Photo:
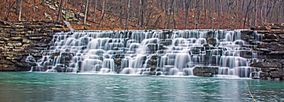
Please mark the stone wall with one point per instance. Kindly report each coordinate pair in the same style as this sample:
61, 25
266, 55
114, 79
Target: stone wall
19, 39
270, 52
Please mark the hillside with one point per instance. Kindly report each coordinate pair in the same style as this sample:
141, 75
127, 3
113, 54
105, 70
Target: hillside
147, 14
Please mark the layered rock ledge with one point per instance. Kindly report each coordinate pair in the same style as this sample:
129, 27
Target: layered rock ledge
270, 52
19, 39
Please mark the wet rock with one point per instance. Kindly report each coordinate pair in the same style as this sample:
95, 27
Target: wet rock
247, 35
60, 68
274, 46
117, 62
35, 38
158, 73
196, 50
26, 41
205, 71
53, 55
267, 64
152, 48
166, 34
152, 63
41, 45
272, 74
212, 41
270, 36
2, 42
30, 60
255, 75
275, 55
16, 38
264, 76
276, 74
281, 36
147, 73
65, 58
247, 54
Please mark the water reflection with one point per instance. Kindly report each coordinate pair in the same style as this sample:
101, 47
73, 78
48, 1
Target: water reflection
33, 87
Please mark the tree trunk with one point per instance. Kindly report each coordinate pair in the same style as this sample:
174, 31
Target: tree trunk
173, 13
141, 10
103, 12
185, 8
197, 12
221, 13
128, 11
19, 3
218, 13
86, 11
261, 12
255, 11
120, 13
34, 6
246, 14
59, 13
95, 10
166, 12
265, 11
211, 14
204, 11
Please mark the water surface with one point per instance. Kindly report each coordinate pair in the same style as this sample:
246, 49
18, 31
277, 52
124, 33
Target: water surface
67, 87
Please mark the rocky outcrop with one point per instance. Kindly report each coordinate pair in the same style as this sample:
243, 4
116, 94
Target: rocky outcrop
270, 51
21, 39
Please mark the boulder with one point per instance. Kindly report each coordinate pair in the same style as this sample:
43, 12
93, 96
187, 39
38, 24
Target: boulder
205, 71
212, 41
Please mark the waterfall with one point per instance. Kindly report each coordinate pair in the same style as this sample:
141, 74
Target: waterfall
155, 52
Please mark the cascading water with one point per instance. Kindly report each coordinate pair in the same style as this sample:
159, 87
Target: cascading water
147, 52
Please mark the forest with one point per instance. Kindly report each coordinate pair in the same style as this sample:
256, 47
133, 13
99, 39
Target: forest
147, 14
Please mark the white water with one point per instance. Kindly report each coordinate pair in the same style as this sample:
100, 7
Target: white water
143, 52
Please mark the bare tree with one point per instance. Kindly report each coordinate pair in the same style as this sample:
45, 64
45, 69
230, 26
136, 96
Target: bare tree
19, 10
220, 12
211, 13
167, 13
255, 12
86, 11
204, 10
121, 13
261, 11
173, 13
246, 14
95, 10
34, 6
197, 13
103, 11
186, 6
128, 11
141, 10
59, 13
